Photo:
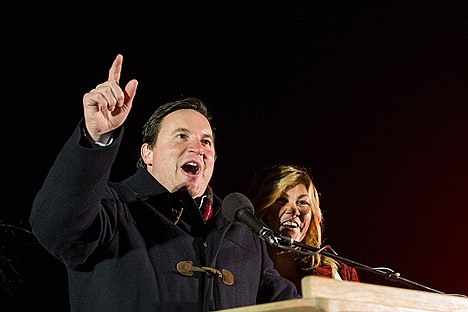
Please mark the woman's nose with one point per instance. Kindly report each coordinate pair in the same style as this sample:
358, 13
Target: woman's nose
294, 209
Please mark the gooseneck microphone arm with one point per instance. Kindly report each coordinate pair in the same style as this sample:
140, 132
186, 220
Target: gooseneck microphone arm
389, 274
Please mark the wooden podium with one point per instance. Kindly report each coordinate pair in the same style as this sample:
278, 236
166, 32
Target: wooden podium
328, 295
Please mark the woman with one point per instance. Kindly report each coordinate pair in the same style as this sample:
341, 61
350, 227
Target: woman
285, 198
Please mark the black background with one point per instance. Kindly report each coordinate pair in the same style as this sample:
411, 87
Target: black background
371, 97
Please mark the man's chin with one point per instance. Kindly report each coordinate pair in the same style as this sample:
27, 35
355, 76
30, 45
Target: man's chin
195, 191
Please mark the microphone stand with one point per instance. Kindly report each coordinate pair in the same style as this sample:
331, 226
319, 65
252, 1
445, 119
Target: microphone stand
389, 274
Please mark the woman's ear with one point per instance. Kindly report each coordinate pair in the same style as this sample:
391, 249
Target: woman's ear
147, 154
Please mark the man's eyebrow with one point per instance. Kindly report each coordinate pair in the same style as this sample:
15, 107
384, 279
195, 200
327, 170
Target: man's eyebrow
207, 135
180, 130
185, 130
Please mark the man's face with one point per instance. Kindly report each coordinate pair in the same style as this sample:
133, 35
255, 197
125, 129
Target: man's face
183, 155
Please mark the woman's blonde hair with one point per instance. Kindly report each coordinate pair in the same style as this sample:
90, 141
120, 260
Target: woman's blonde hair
270, 183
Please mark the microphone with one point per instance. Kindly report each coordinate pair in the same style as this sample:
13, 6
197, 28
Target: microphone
237, 207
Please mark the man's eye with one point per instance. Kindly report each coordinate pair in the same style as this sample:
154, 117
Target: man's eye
181, 136
206, 142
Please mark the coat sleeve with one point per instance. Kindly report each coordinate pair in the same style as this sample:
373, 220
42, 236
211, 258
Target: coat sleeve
74, 210
274, 287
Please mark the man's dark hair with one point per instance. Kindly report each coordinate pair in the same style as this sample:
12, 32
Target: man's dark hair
152, 127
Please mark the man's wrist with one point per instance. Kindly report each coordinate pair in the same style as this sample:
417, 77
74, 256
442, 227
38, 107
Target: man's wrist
108, 138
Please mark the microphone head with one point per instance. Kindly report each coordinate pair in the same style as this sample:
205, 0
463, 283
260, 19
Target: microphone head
234, 202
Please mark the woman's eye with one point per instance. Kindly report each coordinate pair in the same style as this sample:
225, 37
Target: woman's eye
304, 207
282, 201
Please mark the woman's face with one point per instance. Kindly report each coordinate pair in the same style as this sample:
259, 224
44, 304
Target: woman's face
291, 213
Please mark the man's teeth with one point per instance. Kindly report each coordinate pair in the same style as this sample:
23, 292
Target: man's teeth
191, 167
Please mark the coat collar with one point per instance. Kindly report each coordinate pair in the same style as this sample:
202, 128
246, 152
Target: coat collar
144, 184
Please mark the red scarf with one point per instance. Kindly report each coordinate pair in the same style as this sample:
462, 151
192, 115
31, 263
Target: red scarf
207, 204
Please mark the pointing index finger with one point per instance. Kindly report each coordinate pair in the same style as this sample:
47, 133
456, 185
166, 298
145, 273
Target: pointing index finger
116, 68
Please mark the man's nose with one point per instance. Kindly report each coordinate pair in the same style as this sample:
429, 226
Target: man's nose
197, 147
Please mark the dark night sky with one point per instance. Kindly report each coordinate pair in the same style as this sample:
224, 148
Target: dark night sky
371, 97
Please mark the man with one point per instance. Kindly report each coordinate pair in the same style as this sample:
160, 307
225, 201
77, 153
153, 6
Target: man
157, 241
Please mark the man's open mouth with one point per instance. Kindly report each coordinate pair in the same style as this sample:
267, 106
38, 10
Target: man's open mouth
191, 167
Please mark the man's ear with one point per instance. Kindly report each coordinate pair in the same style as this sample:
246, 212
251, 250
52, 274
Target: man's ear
147, 154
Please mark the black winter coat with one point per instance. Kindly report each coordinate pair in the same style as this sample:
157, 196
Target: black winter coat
121, 242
